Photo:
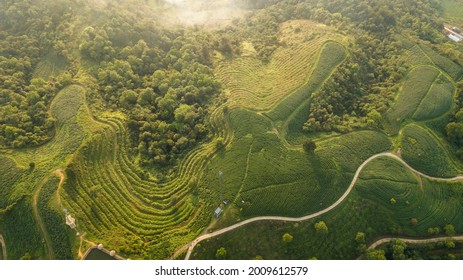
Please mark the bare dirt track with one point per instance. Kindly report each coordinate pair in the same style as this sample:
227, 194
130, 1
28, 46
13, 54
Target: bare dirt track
415, 241
38, 218
35, 197
2, 242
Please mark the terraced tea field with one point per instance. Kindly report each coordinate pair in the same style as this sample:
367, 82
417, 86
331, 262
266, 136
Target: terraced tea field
425, 153
289, 114
353, 181
257, 86
415, 89
409, 200
420, 204
50, 66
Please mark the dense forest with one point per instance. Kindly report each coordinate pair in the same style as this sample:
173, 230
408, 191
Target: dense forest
162, 78
159, 77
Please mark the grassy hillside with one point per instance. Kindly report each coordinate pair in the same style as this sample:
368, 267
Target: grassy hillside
420, 204
415, 88
50, 66
61, 236
287, 103
74, 125
256, 85
437, 101
425, 153
330, 56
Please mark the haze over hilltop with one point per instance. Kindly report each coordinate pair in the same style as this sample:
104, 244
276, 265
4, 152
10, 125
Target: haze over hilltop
203, 12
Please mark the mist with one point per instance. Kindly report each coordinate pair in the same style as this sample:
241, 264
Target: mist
203, 12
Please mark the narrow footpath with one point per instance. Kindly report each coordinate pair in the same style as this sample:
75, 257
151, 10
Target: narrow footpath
2, 242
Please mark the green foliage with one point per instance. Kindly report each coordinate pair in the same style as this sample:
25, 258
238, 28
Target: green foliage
321, 227
163, 86
437, 101
453, 69
449, 230
26, 256
294, 183
96, 44
398, 249
287, 238
366, 208
162, 81
376, 255
309, 146
360, 237
449, 244
415, 88
219, 143
20, 231
54, 220
11, 174
221, 253
433, 230
425, 153
331, 55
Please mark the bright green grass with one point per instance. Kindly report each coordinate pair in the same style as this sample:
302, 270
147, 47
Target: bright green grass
451, 68
292, 107
10, 174
414, 90
437, 102
74, 124
425, 153
50, 66
264, 177
416, 56
367, 209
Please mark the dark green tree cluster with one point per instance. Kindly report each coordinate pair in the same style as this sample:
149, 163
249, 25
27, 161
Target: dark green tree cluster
362, 87
24, 101
162, 81
25, 38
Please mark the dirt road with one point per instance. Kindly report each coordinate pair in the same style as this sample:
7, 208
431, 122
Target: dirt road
2, 242
192, 244
416, 241
38, 218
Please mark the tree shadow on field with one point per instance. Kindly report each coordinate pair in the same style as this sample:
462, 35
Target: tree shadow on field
318, 163
221, 152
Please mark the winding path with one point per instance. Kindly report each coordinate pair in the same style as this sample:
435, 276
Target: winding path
35, 197
2, 242
59, 172
415, 241
42, 227
193, 243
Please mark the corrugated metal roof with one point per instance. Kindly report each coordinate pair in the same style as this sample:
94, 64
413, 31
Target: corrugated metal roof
454, 38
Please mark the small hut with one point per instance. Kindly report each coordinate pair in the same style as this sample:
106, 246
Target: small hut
70, 221
218, 212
